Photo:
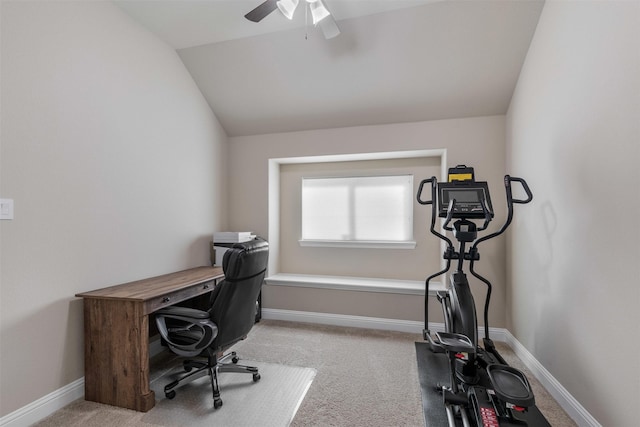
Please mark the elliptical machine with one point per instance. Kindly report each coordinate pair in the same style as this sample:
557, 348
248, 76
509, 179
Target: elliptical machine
483, 390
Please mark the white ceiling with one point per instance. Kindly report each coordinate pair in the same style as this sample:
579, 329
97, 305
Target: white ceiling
394, 61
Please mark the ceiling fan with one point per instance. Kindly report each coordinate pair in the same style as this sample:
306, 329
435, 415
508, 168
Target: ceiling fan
320, 15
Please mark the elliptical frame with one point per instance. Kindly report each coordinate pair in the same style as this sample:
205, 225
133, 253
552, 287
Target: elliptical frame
476, 372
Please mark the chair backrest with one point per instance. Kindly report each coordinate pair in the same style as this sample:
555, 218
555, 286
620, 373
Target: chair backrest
233, 308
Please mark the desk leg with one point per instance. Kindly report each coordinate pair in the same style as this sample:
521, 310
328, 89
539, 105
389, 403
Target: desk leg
116, 354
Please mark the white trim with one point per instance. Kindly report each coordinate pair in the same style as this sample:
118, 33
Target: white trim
381, 155
58, 399
345, 320
362, 284
359, 244
273, 196
45, 406
573, 408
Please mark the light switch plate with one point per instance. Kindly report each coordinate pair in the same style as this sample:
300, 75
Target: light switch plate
6, 208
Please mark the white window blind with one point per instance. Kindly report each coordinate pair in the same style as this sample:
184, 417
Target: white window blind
358, 209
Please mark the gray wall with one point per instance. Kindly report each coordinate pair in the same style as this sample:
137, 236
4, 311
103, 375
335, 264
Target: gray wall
476, 141
574, 128
115, 163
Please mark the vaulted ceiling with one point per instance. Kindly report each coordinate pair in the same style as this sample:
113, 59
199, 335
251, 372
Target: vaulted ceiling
395, 60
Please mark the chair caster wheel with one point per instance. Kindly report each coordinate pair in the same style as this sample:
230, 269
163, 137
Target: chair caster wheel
187, 366
217, 403
235, 359
170, 394
256, 377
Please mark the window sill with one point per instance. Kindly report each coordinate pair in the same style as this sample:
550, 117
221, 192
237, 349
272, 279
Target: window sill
368, 244
361, 284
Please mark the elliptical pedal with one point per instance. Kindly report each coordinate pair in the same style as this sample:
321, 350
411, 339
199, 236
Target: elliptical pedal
511, 386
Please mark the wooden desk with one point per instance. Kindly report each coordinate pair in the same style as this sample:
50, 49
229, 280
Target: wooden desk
116, 333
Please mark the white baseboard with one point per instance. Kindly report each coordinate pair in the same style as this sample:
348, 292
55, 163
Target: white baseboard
410, 326
575, 410
58, 399
45, 406
571, 406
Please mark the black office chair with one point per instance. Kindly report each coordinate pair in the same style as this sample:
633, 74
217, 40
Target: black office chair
189, 332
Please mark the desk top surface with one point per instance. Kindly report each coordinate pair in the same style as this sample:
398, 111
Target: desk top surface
142, 290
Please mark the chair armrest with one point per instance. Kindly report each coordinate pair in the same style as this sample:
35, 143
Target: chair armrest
193, 333
183, 312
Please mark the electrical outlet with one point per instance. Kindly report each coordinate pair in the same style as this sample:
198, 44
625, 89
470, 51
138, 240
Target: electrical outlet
6, 208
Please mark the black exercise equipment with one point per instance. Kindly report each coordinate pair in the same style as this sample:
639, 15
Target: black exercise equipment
482, 389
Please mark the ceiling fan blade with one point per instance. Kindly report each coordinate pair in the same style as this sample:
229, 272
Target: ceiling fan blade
260, 12
329, 27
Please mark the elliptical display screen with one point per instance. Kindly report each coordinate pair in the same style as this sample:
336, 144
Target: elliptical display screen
468, 198
465, 196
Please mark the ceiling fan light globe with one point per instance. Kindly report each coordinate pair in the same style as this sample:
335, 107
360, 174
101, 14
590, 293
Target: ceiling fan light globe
329, 28
287, 7
318, 11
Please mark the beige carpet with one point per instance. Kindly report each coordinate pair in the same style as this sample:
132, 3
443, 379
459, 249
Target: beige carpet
364, 378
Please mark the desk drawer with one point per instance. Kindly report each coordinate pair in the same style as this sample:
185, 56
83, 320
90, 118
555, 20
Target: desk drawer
178, 296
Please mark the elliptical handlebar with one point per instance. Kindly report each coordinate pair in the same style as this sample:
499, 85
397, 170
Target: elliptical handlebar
507, 184
508, 180
433, 182
510, 201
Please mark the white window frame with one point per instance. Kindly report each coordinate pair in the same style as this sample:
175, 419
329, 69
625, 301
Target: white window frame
273, 193
353, 184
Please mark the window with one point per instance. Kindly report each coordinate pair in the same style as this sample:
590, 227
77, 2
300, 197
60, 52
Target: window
363, 211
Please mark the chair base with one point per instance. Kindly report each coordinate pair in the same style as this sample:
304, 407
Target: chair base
212, 367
